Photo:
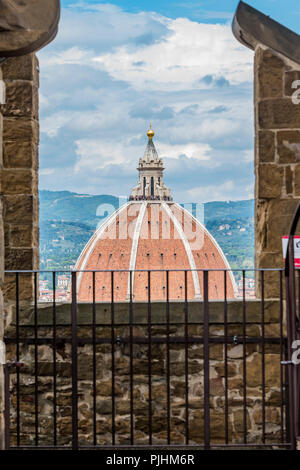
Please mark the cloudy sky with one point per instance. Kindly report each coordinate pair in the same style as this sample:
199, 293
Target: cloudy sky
116, 66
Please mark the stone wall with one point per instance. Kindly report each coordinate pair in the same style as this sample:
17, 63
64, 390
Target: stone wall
1, 292
277, 156
19, 135
140, 380
20, 170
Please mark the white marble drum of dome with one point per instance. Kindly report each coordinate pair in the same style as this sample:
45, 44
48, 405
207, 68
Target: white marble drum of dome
151, 232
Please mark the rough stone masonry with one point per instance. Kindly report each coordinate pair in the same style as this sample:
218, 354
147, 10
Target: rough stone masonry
277, 154
99, 399
277, 132
19, 135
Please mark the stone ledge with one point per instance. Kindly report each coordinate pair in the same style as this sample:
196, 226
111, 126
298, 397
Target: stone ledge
158, 312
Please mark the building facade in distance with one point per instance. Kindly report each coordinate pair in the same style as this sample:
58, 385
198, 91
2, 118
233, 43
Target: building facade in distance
151, 232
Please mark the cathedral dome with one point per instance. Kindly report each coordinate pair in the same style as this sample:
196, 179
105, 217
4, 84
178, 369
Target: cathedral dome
151, 232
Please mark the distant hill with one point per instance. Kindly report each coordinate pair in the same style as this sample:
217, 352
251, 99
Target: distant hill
67, 221
73, 207
228, 210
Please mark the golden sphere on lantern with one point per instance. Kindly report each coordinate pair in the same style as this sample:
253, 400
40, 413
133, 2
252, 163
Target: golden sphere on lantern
150, 133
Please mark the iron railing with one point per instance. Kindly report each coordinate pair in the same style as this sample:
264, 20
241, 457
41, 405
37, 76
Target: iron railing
177, 374
292, 283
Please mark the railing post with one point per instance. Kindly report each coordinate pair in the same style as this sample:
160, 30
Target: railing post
206, 361
74, 320
7, 406
6, 371
2, 395
292, 333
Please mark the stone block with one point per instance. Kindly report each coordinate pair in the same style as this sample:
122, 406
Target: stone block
288, 146
270, 70
278, 219
278, 113
269, 260
104, 388
297, 181
261, 211
2, 243
21, 100
266, 146
270, 181
272, 284
20, 129
220, 369
289, 180
26, 288
1, 140
23, 236
20, 258
282, 207
238, 420
19, 181
278, 226
21, 209
21, 68
289, 78
2, 434
254, 370
20, 154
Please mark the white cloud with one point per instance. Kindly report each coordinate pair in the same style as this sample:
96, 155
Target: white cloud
196, 151
96, 154
47, 171
184, 76
190, 52
229, 190
248, 155
213, 192
73, 55
52, 123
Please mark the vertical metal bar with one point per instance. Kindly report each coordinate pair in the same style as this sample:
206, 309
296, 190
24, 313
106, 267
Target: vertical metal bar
206, 361
291, 333
281, 359
263, 385
113, 400
7, 405
244, 361
186, 368
36, 364
131, 361
54, 361
18, 357
74, 319
149, 358
288, 434
168, 360
226, 356
298, 275
94, 362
